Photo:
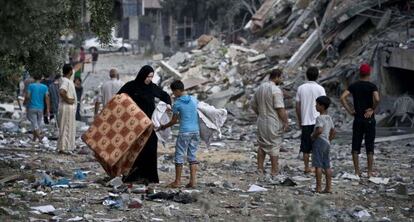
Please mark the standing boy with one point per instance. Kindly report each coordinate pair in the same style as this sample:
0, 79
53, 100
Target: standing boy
306, 112
322, 136
184, 109
366, 99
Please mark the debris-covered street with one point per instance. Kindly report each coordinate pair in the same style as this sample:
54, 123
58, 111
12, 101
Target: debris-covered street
40, 183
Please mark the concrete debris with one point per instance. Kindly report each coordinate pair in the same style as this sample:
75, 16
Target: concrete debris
291, 35
203, 40
256, 58
157, 57
170, 70
46, 209
362, 214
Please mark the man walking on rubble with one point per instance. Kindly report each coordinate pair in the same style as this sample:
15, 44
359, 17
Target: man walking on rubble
37, 99
306, 112
272, 119
366, 99
109, 89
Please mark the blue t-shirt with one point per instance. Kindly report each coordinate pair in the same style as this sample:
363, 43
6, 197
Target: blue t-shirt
37, 92
186, 108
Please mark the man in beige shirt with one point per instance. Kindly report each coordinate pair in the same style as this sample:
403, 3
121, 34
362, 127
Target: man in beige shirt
272, 120
108, 89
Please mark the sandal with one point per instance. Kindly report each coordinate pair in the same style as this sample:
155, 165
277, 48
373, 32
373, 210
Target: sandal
326, 192
173, 185
190, 186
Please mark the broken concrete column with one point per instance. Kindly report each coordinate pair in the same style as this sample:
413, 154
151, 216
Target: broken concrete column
305, 19
170, 70
306, 50
268, 11
256, 58
349, 29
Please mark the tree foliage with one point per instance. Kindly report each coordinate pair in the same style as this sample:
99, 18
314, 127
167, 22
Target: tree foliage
30, 31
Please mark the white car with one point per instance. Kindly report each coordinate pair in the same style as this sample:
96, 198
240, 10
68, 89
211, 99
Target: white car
115, 45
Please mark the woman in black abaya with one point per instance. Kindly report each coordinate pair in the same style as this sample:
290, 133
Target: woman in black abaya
143, 92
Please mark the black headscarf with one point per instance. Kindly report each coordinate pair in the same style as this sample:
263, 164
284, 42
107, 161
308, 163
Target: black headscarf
143, 74
143, 94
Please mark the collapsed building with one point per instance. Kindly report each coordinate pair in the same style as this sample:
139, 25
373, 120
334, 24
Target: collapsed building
336, 36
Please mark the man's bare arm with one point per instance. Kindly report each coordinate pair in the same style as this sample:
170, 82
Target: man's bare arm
376, 99
316, 133
97, 105
64, 96
26, 98
298, 113
332, 134
344, 101
47, 98
281, 112
253, 105
173, 121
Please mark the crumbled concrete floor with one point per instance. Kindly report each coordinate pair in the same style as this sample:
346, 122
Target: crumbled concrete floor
225, 173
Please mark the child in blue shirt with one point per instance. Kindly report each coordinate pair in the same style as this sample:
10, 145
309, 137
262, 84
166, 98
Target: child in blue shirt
184, 110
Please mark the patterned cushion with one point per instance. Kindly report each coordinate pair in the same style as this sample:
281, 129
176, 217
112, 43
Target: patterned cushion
118, 134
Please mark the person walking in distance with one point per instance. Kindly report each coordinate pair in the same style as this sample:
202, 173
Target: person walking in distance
54, 97
94, 55
37, 99
108, 89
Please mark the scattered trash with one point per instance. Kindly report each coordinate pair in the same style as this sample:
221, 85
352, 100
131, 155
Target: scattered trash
46, 209
379, 180
362, 214
178, 197
349, 176
9, 127
288, 182
79, 175
115, 182
135, 203
8, 211
255, 188
77, 218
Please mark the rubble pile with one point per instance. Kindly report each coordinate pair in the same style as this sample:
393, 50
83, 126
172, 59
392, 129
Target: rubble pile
37, 184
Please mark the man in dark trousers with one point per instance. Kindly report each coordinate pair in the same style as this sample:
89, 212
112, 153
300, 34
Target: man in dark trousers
366, 99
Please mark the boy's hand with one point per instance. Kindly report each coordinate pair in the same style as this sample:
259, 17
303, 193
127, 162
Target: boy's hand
162, 127
285, 127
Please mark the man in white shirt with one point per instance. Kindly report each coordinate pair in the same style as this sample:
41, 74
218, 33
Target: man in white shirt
109, 89
306, 111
